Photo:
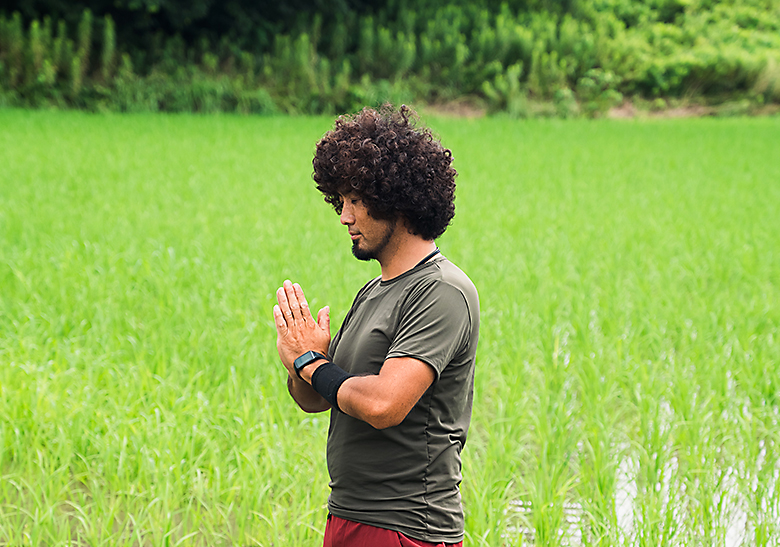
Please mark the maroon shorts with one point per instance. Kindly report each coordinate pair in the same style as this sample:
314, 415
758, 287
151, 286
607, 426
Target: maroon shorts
345, 533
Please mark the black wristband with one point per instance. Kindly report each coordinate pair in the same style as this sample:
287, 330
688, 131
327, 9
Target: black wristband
327, 379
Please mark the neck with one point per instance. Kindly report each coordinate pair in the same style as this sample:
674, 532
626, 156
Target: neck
403, 253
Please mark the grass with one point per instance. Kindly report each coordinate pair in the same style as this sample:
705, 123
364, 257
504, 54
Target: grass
627, 385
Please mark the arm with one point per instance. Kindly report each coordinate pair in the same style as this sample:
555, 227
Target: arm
303, 394
382, 400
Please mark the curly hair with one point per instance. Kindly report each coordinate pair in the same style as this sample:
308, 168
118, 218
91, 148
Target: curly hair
397, 169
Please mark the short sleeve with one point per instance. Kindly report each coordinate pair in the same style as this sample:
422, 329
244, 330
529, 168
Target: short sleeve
434, 325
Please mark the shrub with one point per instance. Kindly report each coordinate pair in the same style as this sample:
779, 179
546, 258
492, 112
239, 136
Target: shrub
768, 82
506, 94
571, 56
597, 91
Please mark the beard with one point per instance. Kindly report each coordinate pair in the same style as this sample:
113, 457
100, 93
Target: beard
373, 252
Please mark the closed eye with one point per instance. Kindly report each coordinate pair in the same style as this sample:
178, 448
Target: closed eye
352, 200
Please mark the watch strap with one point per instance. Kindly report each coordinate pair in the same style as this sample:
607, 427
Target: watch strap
306, 359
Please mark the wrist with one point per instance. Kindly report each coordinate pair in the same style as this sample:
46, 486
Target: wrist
307, 372
305, 361
327, 379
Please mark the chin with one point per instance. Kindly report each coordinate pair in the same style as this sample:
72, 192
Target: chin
362, 254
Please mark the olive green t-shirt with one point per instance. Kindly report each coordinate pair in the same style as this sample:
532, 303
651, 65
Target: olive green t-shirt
406, 478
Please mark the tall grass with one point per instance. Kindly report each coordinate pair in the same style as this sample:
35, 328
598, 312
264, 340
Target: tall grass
627, 380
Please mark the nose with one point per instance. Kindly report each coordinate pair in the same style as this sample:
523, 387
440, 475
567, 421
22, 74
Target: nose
347, 216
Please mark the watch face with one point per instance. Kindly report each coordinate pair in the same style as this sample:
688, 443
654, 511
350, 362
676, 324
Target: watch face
302, 361
305, 359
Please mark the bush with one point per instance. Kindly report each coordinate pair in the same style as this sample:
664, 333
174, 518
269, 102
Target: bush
565, 103
505, 94
597, 91
574, 56
767, 84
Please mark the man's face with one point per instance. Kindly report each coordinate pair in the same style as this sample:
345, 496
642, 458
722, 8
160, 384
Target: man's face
370, 235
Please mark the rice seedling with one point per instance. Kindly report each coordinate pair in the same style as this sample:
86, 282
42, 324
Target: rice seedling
627, 384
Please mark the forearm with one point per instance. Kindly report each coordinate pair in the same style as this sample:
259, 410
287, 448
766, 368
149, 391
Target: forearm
303, 394
364, 398
361, 397
381, 400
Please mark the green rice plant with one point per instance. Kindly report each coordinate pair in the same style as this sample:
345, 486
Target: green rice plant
627, 379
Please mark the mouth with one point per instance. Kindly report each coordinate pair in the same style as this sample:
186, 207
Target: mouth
354, 236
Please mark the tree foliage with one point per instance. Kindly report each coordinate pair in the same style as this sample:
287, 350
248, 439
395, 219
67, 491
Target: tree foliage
579, 56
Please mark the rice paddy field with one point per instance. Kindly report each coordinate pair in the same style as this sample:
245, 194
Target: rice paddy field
627, 389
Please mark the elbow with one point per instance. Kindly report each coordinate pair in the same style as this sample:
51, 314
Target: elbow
313, 409
382, 423
382, 416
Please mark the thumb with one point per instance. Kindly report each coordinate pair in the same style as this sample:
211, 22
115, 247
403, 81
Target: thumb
323, 319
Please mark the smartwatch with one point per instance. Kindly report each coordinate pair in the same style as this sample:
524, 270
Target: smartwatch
306, 359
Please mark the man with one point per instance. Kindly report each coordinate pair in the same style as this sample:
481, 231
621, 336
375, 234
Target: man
399, 373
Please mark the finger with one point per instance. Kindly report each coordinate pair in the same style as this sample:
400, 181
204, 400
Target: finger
284, 305
281, 324
323, 319
305, 311
292, 299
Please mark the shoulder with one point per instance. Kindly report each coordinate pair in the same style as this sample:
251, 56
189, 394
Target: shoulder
368, 286
453, 276
448, 276
448, 284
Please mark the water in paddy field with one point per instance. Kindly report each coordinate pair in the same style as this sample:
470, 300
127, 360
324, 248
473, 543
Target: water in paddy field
736, 531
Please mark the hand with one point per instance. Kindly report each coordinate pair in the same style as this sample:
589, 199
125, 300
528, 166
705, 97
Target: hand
296, 330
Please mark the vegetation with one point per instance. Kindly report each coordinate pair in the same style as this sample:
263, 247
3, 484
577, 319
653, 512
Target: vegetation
627, 383
525, 58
